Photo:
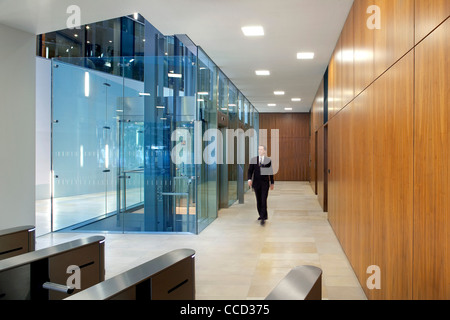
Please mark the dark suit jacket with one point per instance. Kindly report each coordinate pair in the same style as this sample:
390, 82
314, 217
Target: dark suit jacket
260, 173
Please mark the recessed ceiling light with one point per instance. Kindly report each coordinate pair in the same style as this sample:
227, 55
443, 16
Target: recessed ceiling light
204, 93
174, 75
253, 31
272, 105
288, 109
296, 99
305, 55
160, 107
262, 72
278, 93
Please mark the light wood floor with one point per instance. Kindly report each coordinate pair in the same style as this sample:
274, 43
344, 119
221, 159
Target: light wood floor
236, 257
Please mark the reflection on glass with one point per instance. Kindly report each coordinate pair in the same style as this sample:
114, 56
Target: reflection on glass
232, 144
207, 110
112, 122
83, 144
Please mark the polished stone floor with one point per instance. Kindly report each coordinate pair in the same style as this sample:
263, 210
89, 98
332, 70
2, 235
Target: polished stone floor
239, 259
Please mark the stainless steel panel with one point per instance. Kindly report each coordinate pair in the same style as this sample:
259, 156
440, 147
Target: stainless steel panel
114, 287
301, 283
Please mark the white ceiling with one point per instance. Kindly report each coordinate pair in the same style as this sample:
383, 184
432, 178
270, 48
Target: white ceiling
215, 25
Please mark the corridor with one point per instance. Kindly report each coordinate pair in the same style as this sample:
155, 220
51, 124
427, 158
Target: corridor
236, 257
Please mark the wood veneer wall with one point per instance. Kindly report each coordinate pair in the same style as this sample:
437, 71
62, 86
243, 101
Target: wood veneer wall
388, 146
431, 165
294, 137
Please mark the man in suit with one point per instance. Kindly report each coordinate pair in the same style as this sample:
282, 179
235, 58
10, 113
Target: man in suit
260, 178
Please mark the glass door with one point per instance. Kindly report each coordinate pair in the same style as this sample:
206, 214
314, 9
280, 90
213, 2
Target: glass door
83, 144
130, 178
177, 117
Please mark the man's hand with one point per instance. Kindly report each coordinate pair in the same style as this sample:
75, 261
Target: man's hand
271, 186
250, 183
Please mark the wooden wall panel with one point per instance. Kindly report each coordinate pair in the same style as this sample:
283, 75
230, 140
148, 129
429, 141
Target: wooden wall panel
293, 144
337, 79
321, 184
317, 121
312, 162
345, 186
360, 160
317, 111
388, 149
333, 179
338, 187
346, 61
396, 36
266, 123
363, 46
393, 179
300, 125
331, 87
428, 15
285, 123
431, 167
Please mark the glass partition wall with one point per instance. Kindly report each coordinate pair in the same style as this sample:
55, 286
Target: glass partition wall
232, 144
112, 146
207, 85
135, 145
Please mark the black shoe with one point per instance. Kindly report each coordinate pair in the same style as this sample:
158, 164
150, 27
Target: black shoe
263, 222
259, 218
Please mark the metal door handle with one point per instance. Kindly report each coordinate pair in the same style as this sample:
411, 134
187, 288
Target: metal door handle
58, 287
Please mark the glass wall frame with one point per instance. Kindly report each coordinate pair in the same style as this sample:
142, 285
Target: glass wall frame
207, 105
113, 138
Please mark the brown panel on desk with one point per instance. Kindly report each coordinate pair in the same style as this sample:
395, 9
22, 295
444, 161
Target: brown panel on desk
14, 244
87, 258
431, 167
175, 282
